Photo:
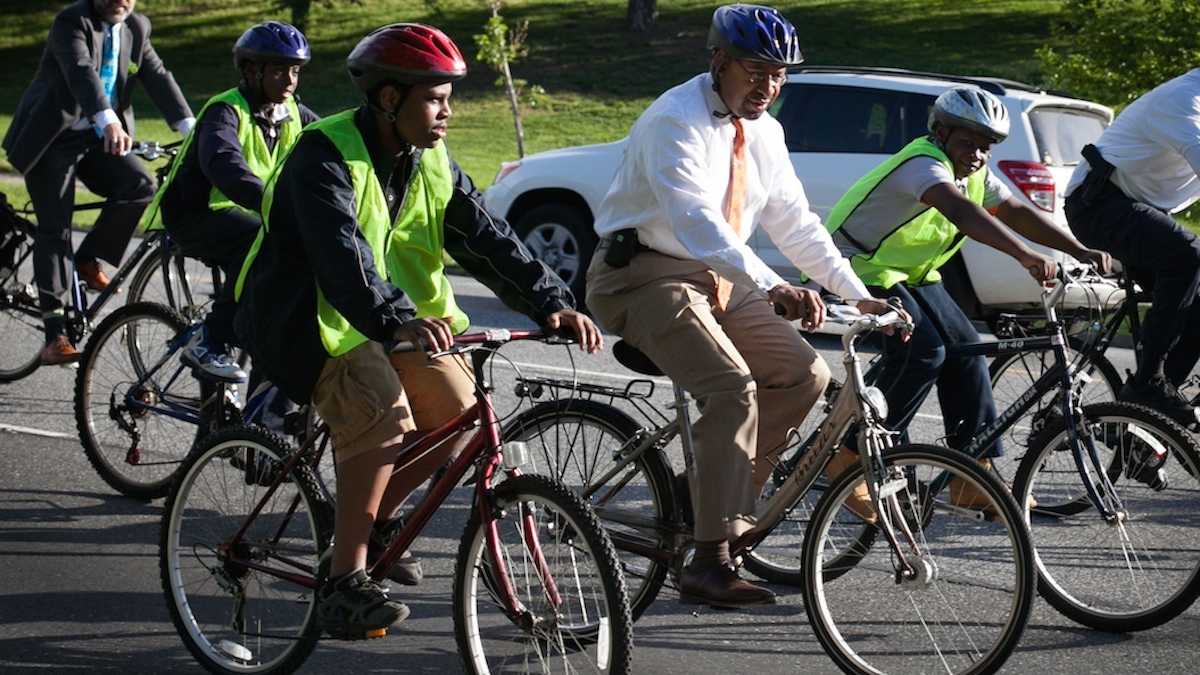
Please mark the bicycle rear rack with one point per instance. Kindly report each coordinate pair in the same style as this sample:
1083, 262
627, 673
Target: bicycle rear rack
637, 393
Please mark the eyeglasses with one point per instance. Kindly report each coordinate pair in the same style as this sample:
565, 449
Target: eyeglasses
757, 77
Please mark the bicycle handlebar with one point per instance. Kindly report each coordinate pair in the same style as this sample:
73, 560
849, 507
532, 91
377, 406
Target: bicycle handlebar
494, 336
152, 150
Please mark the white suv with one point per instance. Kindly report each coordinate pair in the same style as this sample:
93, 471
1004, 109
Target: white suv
839, 122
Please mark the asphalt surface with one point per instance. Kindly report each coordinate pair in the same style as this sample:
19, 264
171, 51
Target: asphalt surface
80, 591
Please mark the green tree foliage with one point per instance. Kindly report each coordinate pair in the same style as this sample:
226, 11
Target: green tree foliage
1116, 50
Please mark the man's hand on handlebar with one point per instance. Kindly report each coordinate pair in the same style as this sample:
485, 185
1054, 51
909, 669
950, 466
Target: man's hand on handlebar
433, 335
798, 303
116, 141
881, 307
579, 326
1100, 260
1043, 269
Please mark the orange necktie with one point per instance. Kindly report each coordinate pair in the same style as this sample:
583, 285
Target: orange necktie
735, 198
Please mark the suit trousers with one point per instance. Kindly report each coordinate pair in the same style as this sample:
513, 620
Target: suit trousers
752, 374
51, 184
1163, 258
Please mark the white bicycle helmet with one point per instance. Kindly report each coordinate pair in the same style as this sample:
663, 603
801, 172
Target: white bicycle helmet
971, 108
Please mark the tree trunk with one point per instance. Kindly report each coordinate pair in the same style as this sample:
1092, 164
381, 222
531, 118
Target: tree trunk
516, 109
640, 15
300, 9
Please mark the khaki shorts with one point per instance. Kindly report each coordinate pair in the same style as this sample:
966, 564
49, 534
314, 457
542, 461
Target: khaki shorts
370, 400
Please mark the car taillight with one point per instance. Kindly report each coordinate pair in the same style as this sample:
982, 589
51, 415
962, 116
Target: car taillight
1034, 179
505, 169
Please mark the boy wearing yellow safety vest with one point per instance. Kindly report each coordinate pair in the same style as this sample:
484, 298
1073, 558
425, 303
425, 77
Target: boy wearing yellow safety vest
349, 258
211, 200
908, 217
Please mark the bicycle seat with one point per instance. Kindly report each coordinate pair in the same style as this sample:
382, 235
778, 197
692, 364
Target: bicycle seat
632, 358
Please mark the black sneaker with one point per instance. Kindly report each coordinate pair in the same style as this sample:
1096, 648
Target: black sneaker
356, 608
1159, 394
407, 570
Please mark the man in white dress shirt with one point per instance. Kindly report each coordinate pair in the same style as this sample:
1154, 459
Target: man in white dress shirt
675, 278
1143, 169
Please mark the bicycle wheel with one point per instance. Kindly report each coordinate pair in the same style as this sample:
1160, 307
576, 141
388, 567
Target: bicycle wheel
590, 630
576, 442
965, 609
130, 421
183, 284
1144, 570
777, 557
20, 316
234, 618
1014, 374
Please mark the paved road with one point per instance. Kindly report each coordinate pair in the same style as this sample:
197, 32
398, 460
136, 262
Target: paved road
79, 587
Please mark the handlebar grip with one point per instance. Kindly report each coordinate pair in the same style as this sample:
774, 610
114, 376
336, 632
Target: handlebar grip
780, 310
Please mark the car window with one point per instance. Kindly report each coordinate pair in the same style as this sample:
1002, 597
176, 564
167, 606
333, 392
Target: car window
1061, 133
831, 118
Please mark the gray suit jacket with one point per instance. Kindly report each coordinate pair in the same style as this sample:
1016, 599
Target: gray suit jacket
67, 83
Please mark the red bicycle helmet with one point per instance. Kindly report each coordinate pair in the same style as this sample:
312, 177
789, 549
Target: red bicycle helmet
405, 53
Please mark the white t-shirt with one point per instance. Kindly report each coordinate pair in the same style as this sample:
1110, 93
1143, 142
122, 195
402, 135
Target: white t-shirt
672, 183
1155, 146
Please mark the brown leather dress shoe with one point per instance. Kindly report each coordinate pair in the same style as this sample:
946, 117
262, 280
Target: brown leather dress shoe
58, 352
92, 274
720, 587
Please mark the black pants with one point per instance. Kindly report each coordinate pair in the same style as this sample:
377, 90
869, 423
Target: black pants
220, 238
1160, 255
51, 185
908, 370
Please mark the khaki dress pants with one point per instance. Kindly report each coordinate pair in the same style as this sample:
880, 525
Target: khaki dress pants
752, 373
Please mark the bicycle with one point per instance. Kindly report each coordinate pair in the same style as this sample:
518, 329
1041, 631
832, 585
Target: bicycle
135, 400
621, 469
536, 583
156, 257
1092, 331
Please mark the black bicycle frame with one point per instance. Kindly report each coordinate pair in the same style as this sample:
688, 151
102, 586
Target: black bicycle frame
1058, 377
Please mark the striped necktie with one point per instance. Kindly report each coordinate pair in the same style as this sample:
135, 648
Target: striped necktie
735, 200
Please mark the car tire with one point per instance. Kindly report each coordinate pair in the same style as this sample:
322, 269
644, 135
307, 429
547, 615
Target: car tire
561, 236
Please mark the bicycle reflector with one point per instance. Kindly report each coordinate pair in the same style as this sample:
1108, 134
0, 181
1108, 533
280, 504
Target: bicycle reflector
1032, 178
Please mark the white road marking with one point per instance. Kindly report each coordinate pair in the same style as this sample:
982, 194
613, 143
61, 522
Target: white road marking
15, 429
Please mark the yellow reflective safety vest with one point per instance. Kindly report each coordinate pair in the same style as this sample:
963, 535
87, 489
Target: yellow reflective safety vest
888, 253
408, 251
258, 157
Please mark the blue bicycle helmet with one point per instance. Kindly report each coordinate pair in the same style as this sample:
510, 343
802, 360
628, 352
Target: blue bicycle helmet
272, 42
755, 32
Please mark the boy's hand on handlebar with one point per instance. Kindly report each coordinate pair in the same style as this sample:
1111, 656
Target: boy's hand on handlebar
579, 326
1043, 269
799, 303
880, 307
116, 141
1101, 260
433, 335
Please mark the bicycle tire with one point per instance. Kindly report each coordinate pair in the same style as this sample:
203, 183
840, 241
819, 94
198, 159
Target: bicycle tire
599, 632
1076, 576
301, 527
107, 373
644, 576
172, 287
20, 318
881, 638
1024, 368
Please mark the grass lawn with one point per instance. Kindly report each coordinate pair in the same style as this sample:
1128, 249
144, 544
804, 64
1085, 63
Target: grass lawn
597, 75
